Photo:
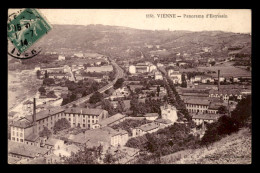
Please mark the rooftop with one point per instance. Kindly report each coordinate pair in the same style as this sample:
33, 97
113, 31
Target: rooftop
31, 137
88, 111
52, 141
197, 101
225, 91
207, 116
151, 115
111, 119
45, 113
148, 127
21, 122
164, 121
25, 150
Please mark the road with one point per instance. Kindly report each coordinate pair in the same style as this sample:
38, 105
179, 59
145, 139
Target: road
119, 74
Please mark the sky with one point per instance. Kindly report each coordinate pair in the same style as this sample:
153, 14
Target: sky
238, 20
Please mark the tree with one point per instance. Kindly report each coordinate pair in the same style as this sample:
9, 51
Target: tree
42, 90
109, 159
158, 90
48, 81
242, 112
85, 156
212, 63
61, 124
51, 94
45, 132
183, 83
119, 83
96, 97
222, 110
46, 75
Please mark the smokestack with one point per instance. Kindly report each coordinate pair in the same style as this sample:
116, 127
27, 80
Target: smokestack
218, 79
34, 115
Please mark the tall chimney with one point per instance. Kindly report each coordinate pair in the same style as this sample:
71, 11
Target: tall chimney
34, 116
218, 79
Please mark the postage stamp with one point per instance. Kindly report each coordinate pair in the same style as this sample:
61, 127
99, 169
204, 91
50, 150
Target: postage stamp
25, 29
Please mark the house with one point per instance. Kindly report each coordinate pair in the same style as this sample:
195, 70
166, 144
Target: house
202, 118
163, 122
24, 151
105, 136
151, 116
225, 94
54, 144
145, 128
84, 117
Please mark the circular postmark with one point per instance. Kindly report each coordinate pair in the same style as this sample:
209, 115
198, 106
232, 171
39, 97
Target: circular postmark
24, 28
29, 53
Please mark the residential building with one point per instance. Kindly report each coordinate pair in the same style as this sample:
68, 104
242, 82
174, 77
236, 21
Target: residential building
163, 122
208, 118
225, 94
24, 151
145, 128
105, 136
110, 121
84, 117
197, 105
151, 116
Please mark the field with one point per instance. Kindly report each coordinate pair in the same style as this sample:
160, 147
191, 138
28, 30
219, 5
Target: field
227, 70
233, 149
21, 86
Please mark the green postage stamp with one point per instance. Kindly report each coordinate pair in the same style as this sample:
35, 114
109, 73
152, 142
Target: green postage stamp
26, 28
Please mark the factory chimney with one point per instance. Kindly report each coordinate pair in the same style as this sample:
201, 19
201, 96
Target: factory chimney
34, 116
218, 79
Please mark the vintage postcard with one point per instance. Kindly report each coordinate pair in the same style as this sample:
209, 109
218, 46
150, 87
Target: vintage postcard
129, 86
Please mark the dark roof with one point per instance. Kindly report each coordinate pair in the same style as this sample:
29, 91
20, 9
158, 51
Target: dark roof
95, 136
151, 115
164, 121
207, 116
197, 101
148, 127
31, 137
88, 111
25, 150
46, 113
21, 123
52, 141
111, 119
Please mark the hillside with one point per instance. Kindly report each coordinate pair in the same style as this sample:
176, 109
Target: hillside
233, 149
114, 39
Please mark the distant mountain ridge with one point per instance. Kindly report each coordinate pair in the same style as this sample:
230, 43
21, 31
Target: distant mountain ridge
94, 37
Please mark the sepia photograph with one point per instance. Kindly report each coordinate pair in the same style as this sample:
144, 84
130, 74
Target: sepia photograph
129, 86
